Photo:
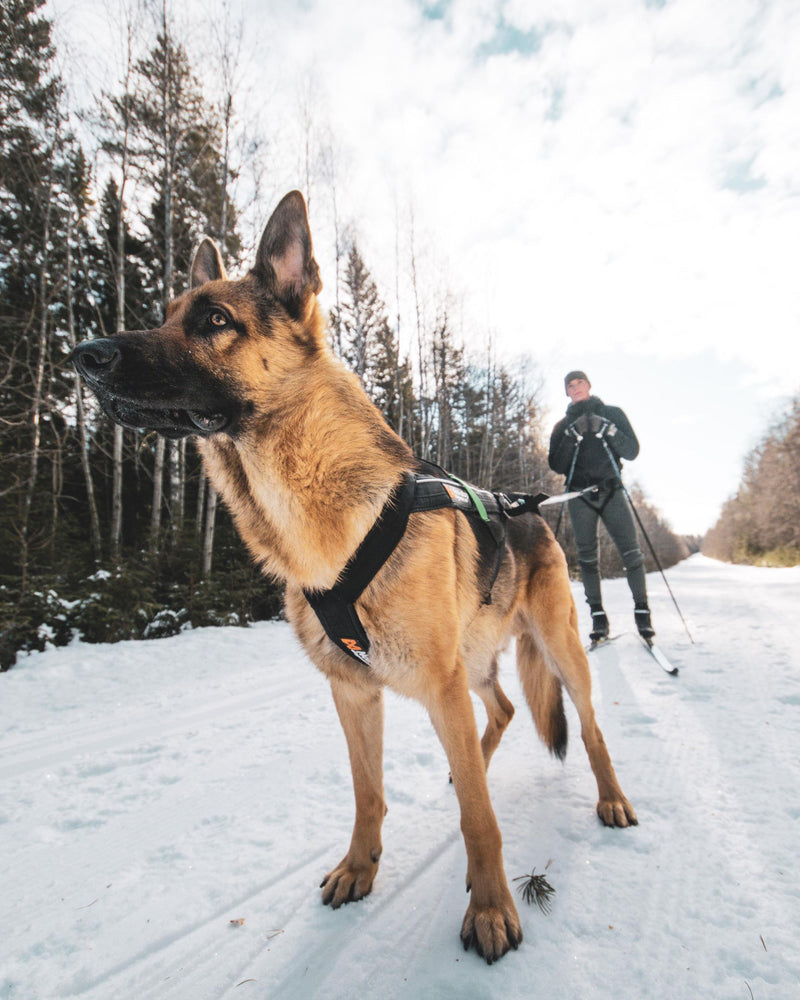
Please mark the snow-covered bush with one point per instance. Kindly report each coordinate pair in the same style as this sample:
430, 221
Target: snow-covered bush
165, 623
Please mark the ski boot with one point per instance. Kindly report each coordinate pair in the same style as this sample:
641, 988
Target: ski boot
599, 624
641, 615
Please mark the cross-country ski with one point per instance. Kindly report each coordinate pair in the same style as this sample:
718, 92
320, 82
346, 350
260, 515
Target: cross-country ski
656, 653
658, 656
600, 643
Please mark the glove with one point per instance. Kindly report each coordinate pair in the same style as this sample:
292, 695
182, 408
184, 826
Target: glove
607, 430
601, 427
579, 427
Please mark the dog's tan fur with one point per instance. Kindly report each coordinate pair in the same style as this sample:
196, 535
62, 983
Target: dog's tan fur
305, 472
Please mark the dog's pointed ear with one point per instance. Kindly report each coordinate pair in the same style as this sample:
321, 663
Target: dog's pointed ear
207, 264
285, 259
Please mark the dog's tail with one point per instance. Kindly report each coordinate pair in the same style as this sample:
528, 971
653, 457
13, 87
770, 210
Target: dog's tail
543, 691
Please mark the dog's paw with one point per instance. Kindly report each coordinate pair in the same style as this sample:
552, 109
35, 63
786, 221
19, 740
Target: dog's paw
617, 813
491, 930
347, 883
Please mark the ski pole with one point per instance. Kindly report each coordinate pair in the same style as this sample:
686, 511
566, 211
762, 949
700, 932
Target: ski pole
578, 440
616, 468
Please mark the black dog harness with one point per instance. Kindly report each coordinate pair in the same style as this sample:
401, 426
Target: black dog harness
431, 488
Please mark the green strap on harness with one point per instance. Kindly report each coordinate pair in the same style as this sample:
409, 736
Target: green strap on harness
476, 500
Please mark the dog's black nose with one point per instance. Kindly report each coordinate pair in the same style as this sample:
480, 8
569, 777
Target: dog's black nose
96, 358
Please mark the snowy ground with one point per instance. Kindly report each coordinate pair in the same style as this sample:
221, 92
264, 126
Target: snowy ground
153, 792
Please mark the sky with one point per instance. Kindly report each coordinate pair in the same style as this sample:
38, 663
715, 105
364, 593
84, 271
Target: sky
610, 185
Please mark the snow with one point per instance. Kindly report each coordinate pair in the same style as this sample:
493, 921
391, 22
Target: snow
154, 792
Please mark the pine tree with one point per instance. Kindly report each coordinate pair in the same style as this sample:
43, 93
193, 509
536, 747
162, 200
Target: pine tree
181, 137
390, 380
361, 331
448, 376
43, 199
361, 317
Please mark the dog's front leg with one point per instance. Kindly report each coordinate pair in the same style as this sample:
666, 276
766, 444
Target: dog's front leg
360, 709
491, 922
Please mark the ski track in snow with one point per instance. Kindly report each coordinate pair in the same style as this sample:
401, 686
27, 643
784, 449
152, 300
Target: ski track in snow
152, 792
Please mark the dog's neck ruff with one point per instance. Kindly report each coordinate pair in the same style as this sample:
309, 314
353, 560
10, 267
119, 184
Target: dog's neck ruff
427, 490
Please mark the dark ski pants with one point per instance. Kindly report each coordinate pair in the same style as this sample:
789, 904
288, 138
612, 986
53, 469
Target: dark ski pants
615, 511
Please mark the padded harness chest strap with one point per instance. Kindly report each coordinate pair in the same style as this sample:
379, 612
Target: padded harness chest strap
335, 608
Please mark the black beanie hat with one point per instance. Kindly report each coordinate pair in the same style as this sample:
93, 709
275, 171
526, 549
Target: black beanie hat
571, 375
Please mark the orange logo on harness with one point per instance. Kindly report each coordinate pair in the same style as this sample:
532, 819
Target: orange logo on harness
352, 645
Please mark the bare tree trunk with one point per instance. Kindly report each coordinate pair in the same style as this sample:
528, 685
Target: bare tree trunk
223, 215
94, 520
181, 491
305, 103
423, 368
337, 247
401, 400
199, 519
38, 381
168, 144
80, 413
176, 460
208, 539
487, 447
119, 439
169, 140
440, 363
116, 494
158, 494
56, 488
229, 60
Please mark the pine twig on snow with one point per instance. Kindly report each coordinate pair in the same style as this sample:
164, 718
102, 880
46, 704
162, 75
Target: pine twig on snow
536, 889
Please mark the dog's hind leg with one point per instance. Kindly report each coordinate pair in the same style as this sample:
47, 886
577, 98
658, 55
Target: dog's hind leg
499, 712
491, 923
360, 708
556, 632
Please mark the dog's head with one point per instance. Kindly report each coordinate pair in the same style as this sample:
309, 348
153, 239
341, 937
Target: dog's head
223, 344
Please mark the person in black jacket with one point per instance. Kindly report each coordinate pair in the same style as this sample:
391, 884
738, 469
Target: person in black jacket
578, 451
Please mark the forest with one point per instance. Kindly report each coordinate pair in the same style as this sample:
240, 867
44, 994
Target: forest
760, 524
108, 533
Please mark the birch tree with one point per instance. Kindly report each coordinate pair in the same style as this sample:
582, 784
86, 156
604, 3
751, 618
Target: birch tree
116, 121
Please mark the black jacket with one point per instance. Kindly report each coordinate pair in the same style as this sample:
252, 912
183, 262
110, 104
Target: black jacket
593, 465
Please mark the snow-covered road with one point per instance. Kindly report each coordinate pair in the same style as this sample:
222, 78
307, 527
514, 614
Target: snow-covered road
153, 792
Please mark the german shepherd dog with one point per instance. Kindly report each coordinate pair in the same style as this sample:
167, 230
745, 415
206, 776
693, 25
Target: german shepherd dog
305, 463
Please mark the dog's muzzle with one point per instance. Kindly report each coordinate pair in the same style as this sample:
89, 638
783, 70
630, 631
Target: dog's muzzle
107, 373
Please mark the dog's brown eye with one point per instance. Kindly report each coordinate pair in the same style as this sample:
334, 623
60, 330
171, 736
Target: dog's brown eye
218, 319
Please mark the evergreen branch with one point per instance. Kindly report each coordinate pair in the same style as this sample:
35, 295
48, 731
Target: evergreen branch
536, 889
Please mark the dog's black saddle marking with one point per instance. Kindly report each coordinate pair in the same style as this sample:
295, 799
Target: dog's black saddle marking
430, 488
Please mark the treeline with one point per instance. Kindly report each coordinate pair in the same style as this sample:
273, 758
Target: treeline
472, 415
78, 495
761, 523
106, 533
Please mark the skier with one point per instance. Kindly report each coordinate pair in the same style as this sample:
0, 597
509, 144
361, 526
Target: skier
578, 451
